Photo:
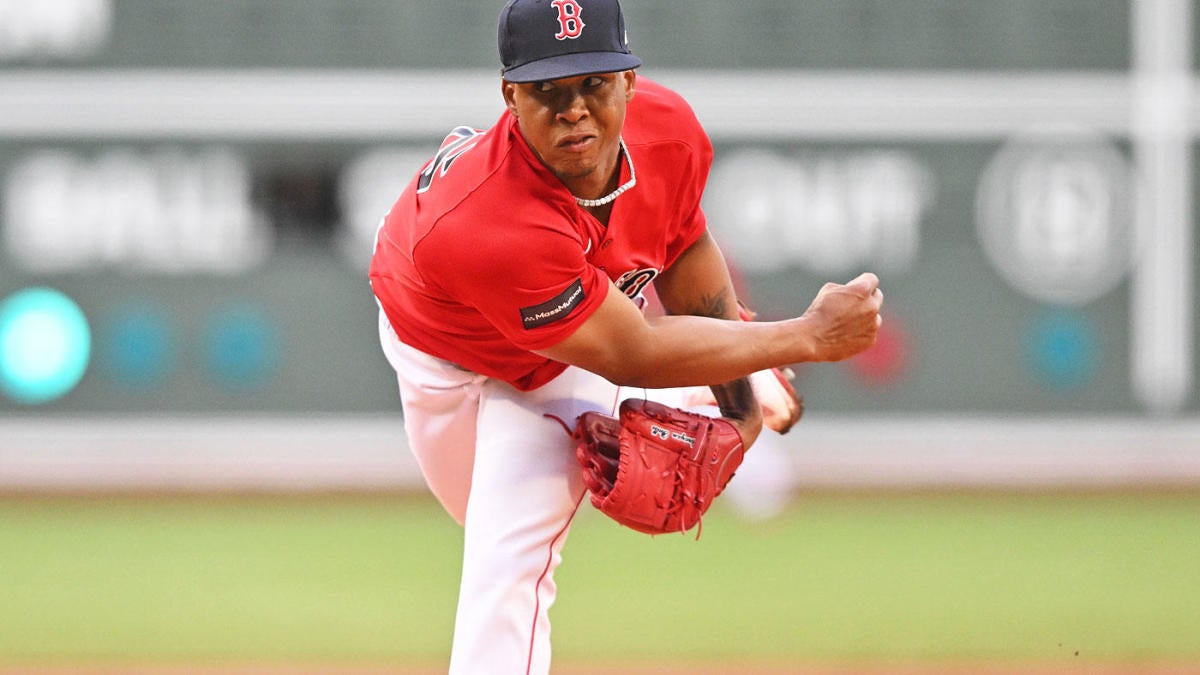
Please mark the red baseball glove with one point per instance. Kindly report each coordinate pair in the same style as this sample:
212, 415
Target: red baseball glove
656, 469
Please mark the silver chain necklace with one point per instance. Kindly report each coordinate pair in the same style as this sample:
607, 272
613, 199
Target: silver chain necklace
608, 198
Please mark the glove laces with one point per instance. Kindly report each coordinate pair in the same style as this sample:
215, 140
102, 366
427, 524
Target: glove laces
675, 507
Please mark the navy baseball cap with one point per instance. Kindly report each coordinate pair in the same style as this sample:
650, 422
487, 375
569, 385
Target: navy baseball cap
550, 39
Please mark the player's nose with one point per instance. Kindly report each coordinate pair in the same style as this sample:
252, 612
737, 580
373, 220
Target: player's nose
574, 107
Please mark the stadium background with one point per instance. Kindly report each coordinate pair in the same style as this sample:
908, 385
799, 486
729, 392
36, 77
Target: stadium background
188, 193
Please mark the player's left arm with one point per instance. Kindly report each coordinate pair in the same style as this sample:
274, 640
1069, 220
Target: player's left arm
698, 283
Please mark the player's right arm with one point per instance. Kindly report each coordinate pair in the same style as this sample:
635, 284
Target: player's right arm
622, 345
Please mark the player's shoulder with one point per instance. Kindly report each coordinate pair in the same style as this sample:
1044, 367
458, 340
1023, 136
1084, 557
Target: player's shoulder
489, 176
658, 113
470, 170
652, 91
466, 158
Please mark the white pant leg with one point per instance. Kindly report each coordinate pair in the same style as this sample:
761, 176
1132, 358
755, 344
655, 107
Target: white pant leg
441, 404
525, 490
508, 473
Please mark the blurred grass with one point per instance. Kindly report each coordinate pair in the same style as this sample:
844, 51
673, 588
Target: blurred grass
840, 577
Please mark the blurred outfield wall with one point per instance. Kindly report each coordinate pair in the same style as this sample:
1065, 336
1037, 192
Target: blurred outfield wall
188, 193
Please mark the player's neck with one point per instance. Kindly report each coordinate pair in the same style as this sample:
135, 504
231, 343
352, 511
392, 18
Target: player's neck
601, 207
599, 200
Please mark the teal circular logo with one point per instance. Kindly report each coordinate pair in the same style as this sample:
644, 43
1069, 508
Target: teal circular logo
241, 347
137, 347
1062, 349
45, 345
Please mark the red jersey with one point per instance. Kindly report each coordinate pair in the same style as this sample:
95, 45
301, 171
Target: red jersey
486, 255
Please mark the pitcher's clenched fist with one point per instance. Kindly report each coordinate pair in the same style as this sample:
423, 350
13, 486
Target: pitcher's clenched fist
843, 320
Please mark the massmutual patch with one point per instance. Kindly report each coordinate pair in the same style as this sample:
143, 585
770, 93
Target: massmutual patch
555, 308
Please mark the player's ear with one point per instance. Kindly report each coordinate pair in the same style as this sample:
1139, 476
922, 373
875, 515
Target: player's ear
508, 90
630, 78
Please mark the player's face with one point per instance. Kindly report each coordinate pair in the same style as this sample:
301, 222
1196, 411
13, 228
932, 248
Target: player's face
574, 125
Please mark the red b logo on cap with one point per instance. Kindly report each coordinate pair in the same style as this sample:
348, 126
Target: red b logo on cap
569, 24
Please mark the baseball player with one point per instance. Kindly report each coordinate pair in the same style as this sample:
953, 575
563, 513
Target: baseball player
510, 276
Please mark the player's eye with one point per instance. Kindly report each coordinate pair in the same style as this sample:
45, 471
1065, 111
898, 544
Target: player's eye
593, 82
542, 87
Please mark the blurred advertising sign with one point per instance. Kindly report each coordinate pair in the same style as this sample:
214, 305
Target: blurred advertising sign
1003, 263
828, 213
1055, 215
54, 31
231, 276
158, 210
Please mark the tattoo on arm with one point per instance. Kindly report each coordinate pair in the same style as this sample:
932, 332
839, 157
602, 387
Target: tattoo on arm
736, 398
715, 306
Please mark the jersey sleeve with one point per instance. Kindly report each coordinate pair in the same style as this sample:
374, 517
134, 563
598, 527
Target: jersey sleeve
531, 282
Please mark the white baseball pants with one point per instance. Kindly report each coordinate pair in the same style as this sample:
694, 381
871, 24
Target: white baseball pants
507, 473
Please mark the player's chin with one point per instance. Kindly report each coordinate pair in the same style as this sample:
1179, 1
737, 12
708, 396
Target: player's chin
574, 167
